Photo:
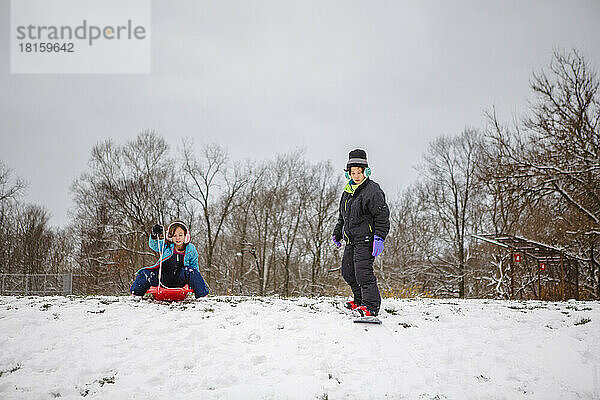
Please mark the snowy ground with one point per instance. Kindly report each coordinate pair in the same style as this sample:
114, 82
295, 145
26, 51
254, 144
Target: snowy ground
271, 348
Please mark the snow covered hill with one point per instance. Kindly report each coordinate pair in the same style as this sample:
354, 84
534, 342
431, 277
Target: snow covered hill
272, 348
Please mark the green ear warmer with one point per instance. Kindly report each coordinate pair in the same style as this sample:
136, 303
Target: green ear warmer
367, 173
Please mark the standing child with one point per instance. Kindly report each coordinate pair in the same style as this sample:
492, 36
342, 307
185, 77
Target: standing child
363, 222
179, 263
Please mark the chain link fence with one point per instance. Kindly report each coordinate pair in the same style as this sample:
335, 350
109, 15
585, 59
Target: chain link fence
36, 284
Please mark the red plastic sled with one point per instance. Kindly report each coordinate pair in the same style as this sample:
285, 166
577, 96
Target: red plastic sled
169, 294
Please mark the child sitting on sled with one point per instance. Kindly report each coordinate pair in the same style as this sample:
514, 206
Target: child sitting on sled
178, 265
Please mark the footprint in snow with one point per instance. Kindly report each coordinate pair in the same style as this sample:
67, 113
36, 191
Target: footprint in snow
252, 338
258, 359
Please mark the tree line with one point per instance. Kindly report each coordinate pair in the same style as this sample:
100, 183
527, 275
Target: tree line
262, 228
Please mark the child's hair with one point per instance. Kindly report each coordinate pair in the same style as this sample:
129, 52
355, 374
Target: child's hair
178, 224
357, 166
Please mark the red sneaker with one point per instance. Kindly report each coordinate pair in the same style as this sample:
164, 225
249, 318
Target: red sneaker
365, 312
350, 305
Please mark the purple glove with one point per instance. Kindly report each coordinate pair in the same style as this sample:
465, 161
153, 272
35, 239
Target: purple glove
338, 244
377, 246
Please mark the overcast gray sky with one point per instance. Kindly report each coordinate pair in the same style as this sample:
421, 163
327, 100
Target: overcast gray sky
265, 77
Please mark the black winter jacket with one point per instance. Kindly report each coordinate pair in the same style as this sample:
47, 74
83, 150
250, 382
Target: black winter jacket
363, 213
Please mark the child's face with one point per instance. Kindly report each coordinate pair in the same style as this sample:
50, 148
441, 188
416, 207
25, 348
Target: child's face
356, 173
178, 236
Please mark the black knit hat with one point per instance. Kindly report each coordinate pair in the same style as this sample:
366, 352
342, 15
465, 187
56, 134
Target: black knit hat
357, 158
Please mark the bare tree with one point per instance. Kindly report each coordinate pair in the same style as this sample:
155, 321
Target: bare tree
450, 190
294, 197
558, 148
267, 220
321, 210
33, 239
11, 190
241, 231
214, 185
412, 245
555, 150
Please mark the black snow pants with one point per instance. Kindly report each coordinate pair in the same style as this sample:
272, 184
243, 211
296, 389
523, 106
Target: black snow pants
357, 270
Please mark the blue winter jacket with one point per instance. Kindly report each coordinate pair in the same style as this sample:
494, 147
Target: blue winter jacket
189, 260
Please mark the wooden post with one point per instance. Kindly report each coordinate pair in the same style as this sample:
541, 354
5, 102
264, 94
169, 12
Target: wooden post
512, 273
593, 269
576, 279
539, 282
232, 275
562, 276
